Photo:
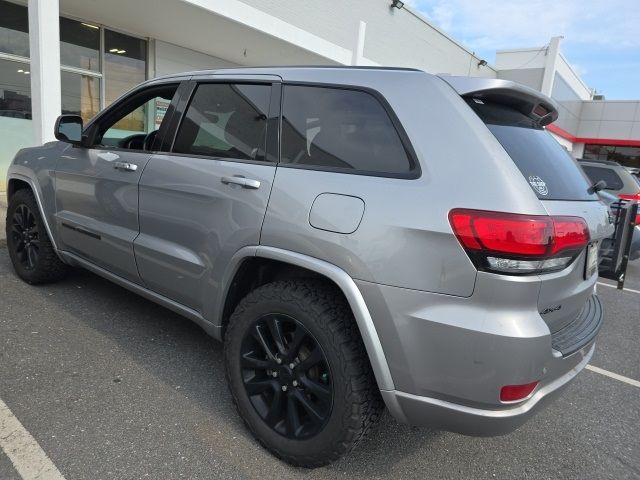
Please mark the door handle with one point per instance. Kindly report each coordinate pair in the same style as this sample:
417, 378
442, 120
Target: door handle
242, 181
126, 166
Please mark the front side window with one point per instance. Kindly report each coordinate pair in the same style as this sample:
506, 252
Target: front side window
336, 128
133, 124
226, 121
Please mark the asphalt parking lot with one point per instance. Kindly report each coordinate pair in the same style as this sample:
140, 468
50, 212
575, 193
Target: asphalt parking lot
111, 386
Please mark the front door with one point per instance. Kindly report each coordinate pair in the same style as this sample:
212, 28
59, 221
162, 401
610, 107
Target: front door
97, 187
206, 199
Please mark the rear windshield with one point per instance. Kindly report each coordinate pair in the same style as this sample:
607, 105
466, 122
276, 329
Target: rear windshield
613, 180
618, 179
548, 168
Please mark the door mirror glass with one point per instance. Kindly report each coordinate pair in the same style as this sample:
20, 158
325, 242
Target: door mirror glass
69, 129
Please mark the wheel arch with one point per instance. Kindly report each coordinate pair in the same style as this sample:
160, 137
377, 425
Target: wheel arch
18, 181
302, 266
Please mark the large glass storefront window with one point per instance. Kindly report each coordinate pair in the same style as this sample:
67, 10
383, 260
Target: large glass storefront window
94, 72
125, 66
14, 29
627, 156
79, 44
15, 90
15, 84
80, 95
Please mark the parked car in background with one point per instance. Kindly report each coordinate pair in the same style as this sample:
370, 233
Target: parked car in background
621, 185
304, 216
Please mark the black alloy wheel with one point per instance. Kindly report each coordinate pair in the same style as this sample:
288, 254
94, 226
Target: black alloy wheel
286, 376
25, 237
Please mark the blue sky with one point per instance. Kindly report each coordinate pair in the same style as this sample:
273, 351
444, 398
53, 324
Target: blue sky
601, 38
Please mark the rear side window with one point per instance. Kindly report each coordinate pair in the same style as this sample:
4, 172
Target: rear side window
595, 174
226, 121
332, 128
551, 172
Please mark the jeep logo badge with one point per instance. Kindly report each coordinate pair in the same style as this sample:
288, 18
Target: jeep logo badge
538, 185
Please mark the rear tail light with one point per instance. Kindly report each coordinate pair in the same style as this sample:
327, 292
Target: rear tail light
625, 196
519, 244
638, 219
515, 393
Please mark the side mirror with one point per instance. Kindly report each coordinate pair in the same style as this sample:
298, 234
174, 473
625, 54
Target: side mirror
68, 129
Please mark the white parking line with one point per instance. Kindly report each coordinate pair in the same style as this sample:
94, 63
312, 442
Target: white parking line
615, 376
614, 286
25, 454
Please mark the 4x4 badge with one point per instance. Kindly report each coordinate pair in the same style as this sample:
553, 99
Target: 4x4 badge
538, 184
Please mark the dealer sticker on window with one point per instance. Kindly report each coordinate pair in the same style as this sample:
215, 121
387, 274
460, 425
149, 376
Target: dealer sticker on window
592, 260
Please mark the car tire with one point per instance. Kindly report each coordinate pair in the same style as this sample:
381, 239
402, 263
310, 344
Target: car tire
32, 254
289, 310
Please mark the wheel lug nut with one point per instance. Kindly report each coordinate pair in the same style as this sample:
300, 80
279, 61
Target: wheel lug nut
294, 383
284, 388
275, 374
292, 365
278, 361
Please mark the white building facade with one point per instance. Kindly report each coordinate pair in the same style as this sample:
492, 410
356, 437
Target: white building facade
78, 56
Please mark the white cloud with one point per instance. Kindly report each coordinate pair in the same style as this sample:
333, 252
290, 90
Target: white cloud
496, 24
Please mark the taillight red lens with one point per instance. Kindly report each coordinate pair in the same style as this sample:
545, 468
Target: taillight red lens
530, 236
638, 219
633, 197
569, 233
513, 393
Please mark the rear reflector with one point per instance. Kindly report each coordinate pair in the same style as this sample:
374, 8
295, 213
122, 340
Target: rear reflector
514, 393
514, 243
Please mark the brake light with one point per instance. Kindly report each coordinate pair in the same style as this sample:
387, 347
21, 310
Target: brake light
514, 393
638, 219
515, 243
632, 197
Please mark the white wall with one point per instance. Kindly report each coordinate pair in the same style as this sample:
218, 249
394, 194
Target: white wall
402, 38
566, 71
171, 58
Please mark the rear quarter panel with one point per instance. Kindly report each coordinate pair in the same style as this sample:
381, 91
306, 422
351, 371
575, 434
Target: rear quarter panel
404, 238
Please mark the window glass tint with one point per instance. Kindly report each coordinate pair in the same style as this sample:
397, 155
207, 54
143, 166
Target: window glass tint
552, 173
338, 128
14, 29
226, 121
79, 44
137, 118
595, 174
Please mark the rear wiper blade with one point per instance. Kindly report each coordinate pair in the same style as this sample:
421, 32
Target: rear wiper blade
596, 187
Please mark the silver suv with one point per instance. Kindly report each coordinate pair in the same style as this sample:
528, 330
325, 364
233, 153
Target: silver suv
357, 238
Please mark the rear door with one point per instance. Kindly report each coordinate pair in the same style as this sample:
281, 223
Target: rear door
562, 187
206, 199
97, 187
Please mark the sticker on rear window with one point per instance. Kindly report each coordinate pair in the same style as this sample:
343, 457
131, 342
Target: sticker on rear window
538, 185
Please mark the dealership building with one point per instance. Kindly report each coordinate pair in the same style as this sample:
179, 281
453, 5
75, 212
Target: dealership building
78, 56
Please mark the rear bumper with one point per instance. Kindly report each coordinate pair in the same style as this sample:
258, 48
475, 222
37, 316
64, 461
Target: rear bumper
450, 356
446, 415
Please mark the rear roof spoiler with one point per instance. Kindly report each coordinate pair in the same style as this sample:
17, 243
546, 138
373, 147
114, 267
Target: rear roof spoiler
528, 101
